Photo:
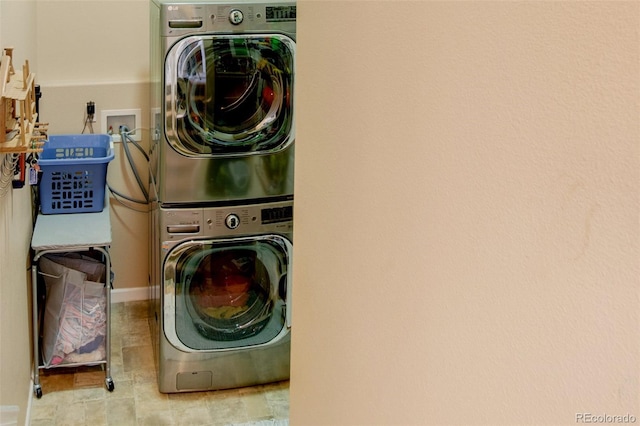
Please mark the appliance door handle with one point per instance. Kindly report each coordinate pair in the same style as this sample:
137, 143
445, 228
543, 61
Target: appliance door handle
183, 229
185, 23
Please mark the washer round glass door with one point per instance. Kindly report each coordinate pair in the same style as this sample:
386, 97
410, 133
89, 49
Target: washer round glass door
230, 94
228, 293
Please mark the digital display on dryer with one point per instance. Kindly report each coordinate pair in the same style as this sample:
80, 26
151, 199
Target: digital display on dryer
278, 214
281, 13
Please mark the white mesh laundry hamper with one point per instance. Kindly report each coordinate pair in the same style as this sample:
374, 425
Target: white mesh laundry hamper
75, 311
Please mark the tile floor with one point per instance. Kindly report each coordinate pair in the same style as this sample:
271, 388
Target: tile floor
78, 396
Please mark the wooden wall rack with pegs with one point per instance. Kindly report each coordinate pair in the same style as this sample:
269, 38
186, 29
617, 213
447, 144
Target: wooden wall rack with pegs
19, 130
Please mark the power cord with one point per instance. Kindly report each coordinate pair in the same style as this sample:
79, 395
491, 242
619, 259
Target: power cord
7, 167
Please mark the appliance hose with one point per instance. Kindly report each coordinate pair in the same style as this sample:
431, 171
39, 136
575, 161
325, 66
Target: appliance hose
126, 139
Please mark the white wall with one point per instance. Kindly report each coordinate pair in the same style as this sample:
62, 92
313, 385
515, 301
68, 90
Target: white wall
466, 241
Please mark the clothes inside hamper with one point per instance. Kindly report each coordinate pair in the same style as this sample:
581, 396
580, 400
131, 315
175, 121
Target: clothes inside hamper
75, 311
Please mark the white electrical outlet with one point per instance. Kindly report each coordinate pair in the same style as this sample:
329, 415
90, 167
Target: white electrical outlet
112, 119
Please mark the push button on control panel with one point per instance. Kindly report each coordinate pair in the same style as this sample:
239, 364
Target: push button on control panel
232, 221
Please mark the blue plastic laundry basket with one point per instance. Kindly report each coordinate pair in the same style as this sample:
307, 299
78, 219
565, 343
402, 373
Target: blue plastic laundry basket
74, 173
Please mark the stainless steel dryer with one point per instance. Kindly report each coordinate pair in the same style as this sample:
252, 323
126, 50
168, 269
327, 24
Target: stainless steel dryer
222, 314
222, 100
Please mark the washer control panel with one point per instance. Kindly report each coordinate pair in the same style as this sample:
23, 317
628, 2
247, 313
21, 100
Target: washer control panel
246, 219
185, 223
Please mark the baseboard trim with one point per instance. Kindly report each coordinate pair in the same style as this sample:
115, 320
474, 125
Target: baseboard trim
27, 420
129, 294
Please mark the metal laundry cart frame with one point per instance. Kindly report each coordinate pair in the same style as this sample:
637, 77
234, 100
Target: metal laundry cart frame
63, 233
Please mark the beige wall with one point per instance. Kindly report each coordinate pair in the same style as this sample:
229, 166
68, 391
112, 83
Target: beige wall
98, 51
466, 241
80, 51
466, 213
92, 41
15, 299
16, 23
129, 225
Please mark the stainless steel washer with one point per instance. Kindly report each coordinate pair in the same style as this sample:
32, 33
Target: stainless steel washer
222, 313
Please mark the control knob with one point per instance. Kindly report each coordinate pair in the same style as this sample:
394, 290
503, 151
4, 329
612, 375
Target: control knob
232, 221
236, 17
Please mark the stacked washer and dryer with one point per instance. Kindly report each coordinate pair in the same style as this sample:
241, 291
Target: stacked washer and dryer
222, 167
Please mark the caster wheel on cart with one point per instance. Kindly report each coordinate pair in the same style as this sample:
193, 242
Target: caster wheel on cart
38, 391
110, 385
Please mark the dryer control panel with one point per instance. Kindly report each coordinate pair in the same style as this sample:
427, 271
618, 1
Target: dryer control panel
184, 18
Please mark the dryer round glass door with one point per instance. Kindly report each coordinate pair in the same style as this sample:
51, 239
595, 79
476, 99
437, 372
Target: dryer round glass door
227, 293
230, 94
